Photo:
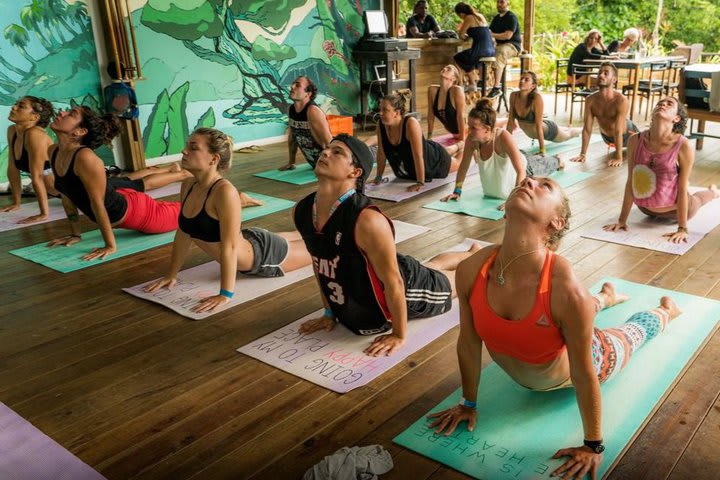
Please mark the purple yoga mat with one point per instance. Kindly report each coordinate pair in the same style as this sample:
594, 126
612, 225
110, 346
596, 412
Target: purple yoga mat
26, 453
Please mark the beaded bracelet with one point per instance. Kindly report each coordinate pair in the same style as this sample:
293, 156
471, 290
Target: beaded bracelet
329, 313
226, 293
457, 191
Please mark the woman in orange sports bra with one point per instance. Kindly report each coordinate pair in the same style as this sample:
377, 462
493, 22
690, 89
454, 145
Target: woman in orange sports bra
536, 320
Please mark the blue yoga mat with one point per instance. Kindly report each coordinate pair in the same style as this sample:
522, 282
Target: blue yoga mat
302, 175
552, 148
475, 204
69, 259
518, 430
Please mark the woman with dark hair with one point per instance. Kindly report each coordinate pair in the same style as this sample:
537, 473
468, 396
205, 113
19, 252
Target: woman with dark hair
80, 177
501, 164
592, 47
210, 218
28, 144
446, 102
401, 143
473, 26
526, 106
524, 303
660, 160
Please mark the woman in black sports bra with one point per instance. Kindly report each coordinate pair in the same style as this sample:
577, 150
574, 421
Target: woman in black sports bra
530, 102
446, 102
210, 217
28, 144
401, 143
80, 177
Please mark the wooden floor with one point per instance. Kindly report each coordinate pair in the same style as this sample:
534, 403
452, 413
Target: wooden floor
137, 391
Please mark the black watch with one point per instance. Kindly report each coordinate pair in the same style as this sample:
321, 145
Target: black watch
595, 445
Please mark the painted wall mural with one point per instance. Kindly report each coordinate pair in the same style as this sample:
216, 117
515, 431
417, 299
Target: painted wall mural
229, 64
46, 50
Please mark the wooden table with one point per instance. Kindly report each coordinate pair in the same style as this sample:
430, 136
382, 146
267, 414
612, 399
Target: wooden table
704, 71
635, 65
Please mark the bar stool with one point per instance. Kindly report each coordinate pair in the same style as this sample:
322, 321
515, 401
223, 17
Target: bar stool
503, 95
485, 63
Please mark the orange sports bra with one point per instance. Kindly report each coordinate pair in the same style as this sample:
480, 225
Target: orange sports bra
534, 339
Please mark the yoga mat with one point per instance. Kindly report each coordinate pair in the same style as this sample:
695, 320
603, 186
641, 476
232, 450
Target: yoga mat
518, 430
302, 175
203, 281
8, 220
475, 204
166, 191
395, 189
646, 232
335, 359
29, 454
68, 259
552, 148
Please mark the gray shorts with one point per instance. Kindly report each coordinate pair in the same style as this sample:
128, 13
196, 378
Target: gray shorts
269, 251
551, 130
630, 128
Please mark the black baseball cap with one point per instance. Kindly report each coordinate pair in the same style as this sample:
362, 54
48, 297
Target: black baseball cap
362, 156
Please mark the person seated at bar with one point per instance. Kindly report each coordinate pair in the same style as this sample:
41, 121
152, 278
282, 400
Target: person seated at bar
401, 143
630, 36
210, 217
523, 302
526, 106
28, 144
421, 24
660, 160
446, 102
502, 166
505, 29
307, 124
473, 26
610, 107
591, 47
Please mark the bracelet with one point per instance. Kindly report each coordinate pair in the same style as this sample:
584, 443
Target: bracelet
226, 293
378, 178
457, 191
542, 150
422, 184
329, 313
467, 403
682, 229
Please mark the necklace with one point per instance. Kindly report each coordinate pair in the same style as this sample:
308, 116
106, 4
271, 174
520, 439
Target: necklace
334, 207
500, 279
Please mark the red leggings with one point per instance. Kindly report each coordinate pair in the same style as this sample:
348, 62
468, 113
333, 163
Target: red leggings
147, 215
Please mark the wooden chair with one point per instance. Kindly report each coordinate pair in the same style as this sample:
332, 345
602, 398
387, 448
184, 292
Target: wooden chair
654, 85
576, 95
561, 87
673, 83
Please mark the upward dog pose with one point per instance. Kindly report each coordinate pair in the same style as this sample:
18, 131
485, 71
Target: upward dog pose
610, 107
28, 145
80, 177
536, 320
660, 160
210, 218
446, 102
401, 143
365, 284
526, 106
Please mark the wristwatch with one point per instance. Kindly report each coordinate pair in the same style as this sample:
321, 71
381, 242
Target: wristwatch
595, 445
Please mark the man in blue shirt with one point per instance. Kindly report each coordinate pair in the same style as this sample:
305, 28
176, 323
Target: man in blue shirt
421, 25
505, 29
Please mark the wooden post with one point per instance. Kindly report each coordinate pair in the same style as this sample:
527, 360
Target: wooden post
529, 28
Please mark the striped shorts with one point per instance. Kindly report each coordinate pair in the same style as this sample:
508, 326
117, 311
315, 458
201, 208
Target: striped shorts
427, 292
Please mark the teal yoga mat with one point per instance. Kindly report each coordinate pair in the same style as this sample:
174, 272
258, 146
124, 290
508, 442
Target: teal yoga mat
552, 148
519, 430
68, 259
475, 204
302, 175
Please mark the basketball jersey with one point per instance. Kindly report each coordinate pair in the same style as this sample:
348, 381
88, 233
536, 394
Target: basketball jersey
346, 277
302, 134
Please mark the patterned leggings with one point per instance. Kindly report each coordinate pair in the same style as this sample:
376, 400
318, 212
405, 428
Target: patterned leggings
613, 347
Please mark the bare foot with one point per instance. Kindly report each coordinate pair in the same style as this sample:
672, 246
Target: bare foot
475, 247
615, 162
248, 201
611, 296
669, 305
575, 132
713, 188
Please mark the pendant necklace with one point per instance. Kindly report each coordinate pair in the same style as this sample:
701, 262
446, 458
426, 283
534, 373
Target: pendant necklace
500, 279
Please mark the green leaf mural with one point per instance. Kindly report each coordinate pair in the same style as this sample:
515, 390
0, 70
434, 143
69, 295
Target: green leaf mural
207, 119
154, 133
177, 119
265, 49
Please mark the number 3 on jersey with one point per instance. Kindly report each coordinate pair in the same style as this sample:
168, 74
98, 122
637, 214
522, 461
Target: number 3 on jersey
337, 295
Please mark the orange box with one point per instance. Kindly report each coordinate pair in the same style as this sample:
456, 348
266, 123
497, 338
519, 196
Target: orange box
340, 124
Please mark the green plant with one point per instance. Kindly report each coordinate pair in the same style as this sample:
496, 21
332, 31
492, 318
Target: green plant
547, 49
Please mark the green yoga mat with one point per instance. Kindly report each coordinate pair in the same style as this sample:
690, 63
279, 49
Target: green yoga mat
552, 148
302, 175
519, 430
473, 202
68, 259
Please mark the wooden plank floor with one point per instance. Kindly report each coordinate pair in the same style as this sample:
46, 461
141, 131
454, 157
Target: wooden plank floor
139, 392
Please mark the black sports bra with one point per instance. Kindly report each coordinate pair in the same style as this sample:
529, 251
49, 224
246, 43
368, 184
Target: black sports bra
23, 163
202, 226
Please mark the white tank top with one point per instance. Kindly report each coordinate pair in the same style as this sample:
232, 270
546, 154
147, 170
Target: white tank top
497, 174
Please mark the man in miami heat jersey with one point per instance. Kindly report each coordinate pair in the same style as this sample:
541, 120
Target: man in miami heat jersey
365, 284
